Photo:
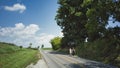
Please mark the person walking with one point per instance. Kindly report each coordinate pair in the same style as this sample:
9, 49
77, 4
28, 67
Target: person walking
73, 51
70, 51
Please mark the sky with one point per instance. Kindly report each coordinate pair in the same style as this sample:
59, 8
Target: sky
28, 21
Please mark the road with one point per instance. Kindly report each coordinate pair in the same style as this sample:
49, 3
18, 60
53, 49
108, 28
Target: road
60, 60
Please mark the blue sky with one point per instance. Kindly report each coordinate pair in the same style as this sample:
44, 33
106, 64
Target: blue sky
30, 21
18, 16
41, 12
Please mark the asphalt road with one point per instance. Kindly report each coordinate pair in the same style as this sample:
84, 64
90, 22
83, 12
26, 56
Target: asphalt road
59, 60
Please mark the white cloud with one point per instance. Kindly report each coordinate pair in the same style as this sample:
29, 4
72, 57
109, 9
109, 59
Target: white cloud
23, 35
16, 7
45, 39
19, 26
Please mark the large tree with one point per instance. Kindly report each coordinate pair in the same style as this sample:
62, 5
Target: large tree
72, 19
87, 19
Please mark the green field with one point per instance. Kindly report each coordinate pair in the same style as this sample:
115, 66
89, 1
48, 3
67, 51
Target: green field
12, 56
47, 49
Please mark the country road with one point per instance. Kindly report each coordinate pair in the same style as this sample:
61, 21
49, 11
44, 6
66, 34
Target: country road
58, 60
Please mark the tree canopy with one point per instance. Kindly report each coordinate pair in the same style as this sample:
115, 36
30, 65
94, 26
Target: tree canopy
56, 43
88, 19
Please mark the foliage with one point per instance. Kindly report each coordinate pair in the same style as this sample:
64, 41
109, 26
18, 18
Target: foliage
21, 47
56, 43
30, 45
87, 19
42, 46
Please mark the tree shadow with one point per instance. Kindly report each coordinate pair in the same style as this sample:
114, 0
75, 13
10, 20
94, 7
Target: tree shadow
73, 65
57, 52
92, 64
85, 64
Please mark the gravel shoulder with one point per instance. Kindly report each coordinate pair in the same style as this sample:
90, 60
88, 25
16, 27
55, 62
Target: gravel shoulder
40, 64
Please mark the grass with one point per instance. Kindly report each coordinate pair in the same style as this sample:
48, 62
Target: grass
17, 58
47, 49
8, 48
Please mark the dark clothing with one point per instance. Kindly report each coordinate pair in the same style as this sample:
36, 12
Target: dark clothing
73, 52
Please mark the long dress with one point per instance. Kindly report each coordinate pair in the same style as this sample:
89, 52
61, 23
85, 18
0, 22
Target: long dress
70, 51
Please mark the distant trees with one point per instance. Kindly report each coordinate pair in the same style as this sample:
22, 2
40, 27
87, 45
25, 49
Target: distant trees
56, 43
87, 19
30, 45
42, 46
38, 47
21, 47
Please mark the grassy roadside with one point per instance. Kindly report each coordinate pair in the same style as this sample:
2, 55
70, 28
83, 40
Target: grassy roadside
20, 58
47, 49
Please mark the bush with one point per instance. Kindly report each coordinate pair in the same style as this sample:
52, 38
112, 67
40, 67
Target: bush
56, 43
101, 50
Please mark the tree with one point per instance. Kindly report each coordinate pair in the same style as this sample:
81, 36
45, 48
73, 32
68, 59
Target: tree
38, 47
81, 19
42, 46
30, 45
21, 47
56, 43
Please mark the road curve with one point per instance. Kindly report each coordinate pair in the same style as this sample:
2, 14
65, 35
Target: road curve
59, 60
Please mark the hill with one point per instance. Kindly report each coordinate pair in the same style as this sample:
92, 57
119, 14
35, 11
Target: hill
8, 48
12, 56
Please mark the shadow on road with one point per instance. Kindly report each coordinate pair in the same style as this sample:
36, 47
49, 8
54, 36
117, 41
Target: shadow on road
81, 63
76, 66
92, 64
57, 52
